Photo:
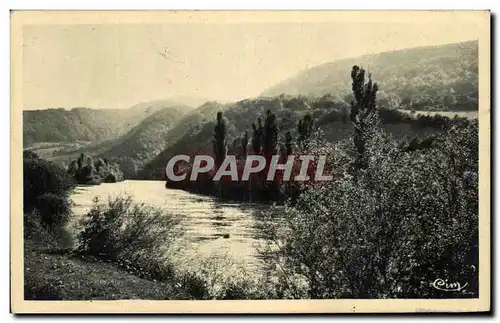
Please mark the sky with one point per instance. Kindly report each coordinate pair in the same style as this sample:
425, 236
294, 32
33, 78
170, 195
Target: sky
114, 66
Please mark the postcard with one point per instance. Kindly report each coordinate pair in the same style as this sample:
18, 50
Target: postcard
250, 161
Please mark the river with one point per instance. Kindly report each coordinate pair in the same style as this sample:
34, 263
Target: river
212, 228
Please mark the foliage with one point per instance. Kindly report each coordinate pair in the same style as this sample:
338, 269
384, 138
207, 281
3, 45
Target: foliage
54, 209
220, 140
218, 276
144, 141
60, 125
85, 171
43, 177
47, 207
270, 136
244, 144
363, 112
257, 136
410, 218
85, 124
194, 133
288, 143
305, 128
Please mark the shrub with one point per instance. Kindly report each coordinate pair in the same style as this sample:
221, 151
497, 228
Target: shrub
41, 177
54, 210
33, 227
216, 276
409, 219
39, 235
46, 188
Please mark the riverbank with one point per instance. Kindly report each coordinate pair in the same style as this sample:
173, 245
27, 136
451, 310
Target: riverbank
63, 263
212, 227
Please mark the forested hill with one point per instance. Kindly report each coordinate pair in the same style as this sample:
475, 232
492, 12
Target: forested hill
434, 78
59, 125
84, 124
145, 141
193, 134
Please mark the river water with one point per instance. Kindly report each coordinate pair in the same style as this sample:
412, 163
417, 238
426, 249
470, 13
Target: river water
212, 228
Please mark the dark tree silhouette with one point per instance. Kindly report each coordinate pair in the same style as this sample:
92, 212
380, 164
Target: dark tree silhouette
257, 137
219, 141
364, 114
244, 144
270, 135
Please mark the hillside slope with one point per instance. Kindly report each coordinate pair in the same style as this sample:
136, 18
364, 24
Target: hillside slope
78, 124
330, 116
434, 78
145, 141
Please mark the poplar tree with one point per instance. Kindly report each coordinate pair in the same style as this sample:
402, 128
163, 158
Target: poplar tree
257, 136
270, 135
220, 140
364, 113
244, 144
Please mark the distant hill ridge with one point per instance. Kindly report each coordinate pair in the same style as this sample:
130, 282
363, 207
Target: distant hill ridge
436, 78
86, 124
141, 139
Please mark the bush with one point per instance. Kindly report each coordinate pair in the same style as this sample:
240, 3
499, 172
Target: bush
34, 228
46, 188
38, 235
217, 276
133, 234
409, 219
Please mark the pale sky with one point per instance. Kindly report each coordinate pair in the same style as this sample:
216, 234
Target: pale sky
117, 66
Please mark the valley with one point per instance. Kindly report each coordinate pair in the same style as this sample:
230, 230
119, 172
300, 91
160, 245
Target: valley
142, 138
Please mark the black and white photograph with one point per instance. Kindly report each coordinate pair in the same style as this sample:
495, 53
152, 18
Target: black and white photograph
215, 156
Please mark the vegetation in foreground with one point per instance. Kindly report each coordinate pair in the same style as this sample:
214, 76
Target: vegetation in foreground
119, 250
394, 221
396, 217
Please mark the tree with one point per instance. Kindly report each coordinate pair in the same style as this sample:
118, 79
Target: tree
288, 144
364, 114
43, 177
85, 171
244, 144
271, 147
270, 135
73, 167
305, 129
81, 160
220, 140
99, 165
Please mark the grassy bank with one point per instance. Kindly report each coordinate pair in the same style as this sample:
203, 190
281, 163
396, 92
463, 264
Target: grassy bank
54, 275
